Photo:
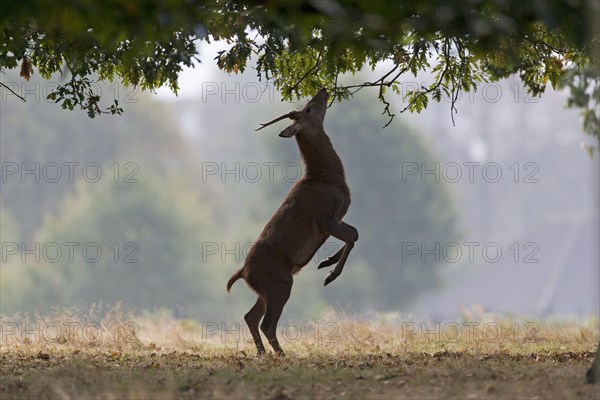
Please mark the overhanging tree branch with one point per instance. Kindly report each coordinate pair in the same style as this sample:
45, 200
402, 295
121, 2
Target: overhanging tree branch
539, 47
13, 92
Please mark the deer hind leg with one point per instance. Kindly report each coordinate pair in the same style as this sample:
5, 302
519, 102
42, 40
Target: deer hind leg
253, 318
346, 233
278, 296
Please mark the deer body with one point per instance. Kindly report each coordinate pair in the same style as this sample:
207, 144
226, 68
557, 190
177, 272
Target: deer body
311, 212
320, 194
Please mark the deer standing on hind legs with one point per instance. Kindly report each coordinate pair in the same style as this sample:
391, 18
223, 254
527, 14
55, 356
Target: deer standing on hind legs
311, 212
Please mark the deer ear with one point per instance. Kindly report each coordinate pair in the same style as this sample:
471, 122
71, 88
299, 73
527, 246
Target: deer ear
290, 131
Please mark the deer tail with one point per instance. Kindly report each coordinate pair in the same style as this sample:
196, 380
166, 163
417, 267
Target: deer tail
237, 275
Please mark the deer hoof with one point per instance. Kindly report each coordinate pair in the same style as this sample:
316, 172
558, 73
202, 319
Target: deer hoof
330, 278
325, 263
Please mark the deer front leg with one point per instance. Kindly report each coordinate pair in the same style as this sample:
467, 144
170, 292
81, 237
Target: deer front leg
331, 259
346, 233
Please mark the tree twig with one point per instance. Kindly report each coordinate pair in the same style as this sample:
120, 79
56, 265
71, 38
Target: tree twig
311, 69
13, 92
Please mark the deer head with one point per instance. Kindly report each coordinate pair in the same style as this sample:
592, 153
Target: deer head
308, 119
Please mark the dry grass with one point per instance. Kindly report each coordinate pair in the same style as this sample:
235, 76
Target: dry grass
112, 354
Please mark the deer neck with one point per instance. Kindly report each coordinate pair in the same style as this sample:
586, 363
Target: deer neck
321, 161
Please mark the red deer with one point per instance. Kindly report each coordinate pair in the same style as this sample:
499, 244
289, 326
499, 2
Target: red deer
311, 212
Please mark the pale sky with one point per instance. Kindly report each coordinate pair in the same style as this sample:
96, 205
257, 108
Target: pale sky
190, 79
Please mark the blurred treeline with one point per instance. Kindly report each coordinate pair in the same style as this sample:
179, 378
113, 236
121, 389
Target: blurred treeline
159, 202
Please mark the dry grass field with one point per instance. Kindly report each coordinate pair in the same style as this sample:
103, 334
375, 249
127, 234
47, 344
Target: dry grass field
119, 356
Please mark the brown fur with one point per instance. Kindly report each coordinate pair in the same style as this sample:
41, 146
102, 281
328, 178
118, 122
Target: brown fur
311, 212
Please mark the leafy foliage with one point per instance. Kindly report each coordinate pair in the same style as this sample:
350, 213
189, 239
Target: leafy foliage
304, 45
